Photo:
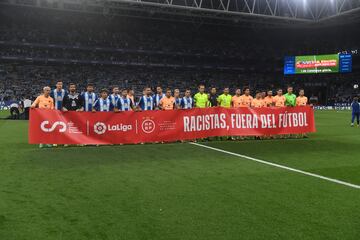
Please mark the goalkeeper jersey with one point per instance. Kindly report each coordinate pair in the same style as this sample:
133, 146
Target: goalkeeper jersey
290, 100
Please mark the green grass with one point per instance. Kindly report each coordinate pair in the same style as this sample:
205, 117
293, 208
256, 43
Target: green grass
4, 113
182, 191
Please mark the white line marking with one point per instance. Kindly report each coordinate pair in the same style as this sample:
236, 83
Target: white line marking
280, 166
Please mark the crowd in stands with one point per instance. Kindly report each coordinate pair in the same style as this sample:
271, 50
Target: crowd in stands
39, 47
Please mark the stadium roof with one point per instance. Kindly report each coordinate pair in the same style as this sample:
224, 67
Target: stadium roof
267, 12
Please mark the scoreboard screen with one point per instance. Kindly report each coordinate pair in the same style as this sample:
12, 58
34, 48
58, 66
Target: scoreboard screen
331, 63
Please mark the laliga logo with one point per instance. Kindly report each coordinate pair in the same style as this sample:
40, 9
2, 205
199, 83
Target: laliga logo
100, 128
53, 127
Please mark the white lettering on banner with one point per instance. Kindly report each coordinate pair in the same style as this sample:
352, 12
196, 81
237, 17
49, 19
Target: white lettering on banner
73, 129
293, 120
101, 128
53, 127
119, 127
204, 122
244, 121
268, 121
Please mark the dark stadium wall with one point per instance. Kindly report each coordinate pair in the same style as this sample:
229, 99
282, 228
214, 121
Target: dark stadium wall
160, 52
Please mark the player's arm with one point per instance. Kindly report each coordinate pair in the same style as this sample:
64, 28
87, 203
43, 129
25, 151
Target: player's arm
195, 97
65, 103
252, 104
111, 106
156, 106
160, 106
273, 102
141, 101
219, 100
293, 103
35, 103
81, 103
132, 107
181, 104
95, 106
117, 106
52, 106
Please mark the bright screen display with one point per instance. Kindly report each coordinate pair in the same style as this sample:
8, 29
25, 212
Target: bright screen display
314, 64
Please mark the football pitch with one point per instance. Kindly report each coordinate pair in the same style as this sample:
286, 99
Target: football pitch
183, 191
4, 114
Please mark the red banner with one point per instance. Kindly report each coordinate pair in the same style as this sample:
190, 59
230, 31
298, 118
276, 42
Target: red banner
56, 127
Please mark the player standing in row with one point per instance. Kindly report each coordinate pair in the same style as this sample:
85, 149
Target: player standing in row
279, 99
131, 95
213, 97
124, 102
224, 100
268, 100
201, 98
58, 95
187, 102
246, 98
263, 95
236, 99
73, 101
257, 102
103, 104
44, 101
301, 100
146, 102
89, 98
114, 96
177, 98
158, 96
290, 97
168, 101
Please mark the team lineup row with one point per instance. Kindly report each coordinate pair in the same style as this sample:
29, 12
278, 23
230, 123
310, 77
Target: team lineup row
124, 100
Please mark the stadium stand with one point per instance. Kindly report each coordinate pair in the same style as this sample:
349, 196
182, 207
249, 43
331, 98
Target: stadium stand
38, 47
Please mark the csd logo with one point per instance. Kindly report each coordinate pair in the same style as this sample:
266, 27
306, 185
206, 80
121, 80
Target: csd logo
46, 128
